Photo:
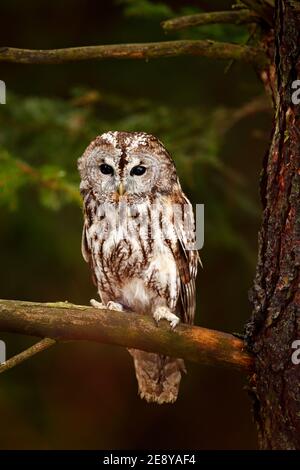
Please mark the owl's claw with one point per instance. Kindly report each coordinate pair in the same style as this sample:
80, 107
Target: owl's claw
114, 306
110, 305
94, 303
163, 313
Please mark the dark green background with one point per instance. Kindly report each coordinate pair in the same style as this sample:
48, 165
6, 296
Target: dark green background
84, 395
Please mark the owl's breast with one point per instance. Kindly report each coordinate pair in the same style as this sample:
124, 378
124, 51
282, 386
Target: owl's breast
122, 258
117, 256
135, 264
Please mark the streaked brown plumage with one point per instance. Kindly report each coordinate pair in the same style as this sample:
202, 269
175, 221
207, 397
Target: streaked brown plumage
136, 242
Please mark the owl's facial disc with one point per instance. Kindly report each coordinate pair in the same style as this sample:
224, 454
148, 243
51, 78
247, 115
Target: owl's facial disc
115, 175
134, 174
128, 169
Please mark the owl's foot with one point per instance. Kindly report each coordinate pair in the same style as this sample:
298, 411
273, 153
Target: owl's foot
110, 305
94, 303
163, 313
114, 306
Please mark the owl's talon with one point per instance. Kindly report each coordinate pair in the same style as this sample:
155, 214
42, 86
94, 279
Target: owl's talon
110, 305
163, 313
114, 306
94, 303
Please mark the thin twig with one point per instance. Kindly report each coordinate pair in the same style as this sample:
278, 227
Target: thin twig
66, 321
154, 50
27, 354
216, 17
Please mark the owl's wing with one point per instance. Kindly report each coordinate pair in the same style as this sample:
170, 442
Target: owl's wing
187, 264
86, 251
85, 247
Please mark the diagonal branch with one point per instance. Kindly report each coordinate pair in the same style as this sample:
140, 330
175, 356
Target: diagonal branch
216, 17
27, 354
154, 50
64, 321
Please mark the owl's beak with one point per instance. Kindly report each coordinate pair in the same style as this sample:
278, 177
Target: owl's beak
121, 189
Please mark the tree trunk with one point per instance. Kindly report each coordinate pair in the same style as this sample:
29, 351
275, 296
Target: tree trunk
275, 322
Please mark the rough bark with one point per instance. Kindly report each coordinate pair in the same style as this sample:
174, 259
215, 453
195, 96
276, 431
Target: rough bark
65, 321
275, 323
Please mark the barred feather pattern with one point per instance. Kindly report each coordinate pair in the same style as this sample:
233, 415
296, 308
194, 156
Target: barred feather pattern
137, 253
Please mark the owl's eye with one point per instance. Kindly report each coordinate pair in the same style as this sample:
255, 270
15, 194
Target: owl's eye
138, 170
106, 169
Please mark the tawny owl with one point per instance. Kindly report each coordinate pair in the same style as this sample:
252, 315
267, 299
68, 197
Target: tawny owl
136, 240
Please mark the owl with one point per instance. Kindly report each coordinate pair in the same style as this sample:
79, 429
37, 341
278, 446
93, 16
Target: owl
138, 238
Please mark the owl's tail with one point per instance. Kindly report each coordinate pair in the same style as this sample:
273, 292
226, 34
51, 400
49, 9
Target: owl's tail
158, 376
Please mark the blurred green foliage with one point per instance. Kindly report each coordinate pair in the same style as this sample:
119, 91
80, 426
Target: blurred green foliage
146, 9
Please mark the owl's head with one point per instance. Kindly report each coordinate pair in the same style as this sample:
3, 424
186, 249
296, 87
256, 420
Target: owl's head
128, 165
